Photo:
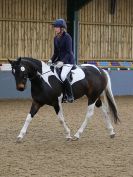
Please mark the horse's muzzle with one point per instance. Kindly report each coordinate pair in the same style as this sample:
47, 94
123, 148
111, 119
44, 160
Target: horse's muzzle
20, 87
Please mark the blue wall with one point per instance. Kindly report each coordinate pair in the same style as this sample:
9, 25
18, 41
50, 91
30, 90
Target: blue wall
122, 84
8, 87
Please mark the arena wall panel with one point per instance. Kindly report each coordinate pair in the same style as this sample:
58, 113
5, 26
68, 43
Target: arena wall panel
104, 36
25, 27
121, 85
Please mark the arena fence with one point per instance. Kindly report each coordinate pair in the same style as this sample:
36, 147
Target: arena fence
108, 65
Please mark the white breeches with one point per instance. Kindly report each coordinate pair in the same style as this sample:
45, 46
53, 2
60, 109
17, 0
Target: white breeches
65, 70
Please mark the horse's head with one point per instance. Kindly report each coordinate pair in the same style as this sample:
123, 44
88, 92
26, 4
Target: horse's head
20, 73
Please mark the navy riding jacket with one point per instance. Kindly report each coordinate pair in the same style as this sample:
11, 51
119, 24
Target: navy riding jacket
63, 49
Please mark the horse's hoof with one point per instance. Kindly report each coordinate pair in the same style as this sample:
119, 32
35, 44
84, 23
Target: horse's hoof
75, 138
69, 139
112, 136
19, 140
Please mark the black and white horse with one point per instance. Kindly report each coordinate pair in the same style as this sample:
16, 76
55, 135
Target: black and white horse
47, 88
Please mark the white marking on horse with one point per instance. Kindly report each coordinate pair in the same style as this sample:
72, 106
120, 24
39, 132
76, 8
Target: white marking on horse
24, 129
106, 117
62, 119
90, 112
56, 74
77, 74
46, 72
22, 68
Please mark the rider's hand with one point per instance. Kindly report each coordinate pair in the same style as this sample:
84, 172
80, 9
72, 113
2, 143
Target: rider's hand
49, 62
59, 64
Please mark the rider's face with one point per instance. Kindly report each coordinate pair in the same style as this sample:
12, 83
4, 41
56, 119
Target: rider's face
57, 30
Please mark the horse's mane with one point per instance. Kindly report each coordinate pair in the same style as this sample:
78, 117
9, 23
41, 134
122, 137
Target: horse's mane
33, 61
29, 59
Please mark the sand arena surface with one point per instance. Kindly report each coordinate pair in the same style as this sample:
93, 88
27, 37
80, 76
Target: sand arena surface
45, 153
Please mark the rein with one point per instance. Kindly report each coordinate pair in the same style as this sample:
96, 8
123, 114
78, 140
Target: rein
46, 72
38, 74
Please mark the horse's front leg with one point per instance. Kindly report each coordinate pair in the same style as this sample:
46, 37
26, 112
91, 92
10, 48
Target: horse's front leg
34, 109
59, 112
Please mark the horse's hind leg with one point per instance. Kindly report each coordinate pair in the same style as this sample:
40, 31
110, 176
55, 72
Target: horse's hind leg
107, 119
89, 114
34, 109
59, 112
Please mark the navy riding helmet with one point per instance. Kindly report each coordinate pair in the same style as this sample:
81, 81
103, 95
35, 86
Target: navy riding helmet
61, 23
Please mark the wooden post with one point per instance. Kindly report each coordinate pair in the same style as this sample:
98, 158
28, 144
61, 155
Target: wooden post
113, 5
72, 17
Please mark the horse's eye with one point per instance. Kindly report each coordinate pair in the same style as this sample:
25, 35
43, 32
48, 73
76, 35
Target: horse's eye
22, 68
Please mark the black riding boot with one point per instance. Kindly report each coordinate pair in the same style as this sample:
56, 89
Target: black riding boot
69, 92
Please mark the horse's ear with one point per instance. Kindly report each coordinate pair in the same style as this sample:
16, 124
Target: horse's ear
10, 61
19, 60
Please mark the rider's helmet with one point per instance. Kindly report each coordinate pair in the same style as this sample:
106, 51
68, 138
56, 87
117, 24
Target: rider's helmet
61, 23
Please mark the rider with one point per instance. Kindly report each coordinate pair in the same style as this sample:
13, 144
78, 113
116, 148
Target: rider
63, 54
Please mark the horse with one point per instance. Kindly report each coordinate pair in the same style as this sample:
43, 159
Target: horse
47, 89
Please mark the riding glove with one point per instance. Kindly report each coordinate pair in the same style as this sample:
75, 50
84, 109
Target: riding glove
49, 62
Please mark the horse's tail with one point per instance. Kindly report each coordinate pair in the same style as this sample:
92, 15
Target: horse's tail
110, 99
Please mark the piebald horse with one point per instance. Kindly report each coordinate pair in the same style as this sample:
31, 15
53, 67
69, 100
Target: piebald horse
47, 88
